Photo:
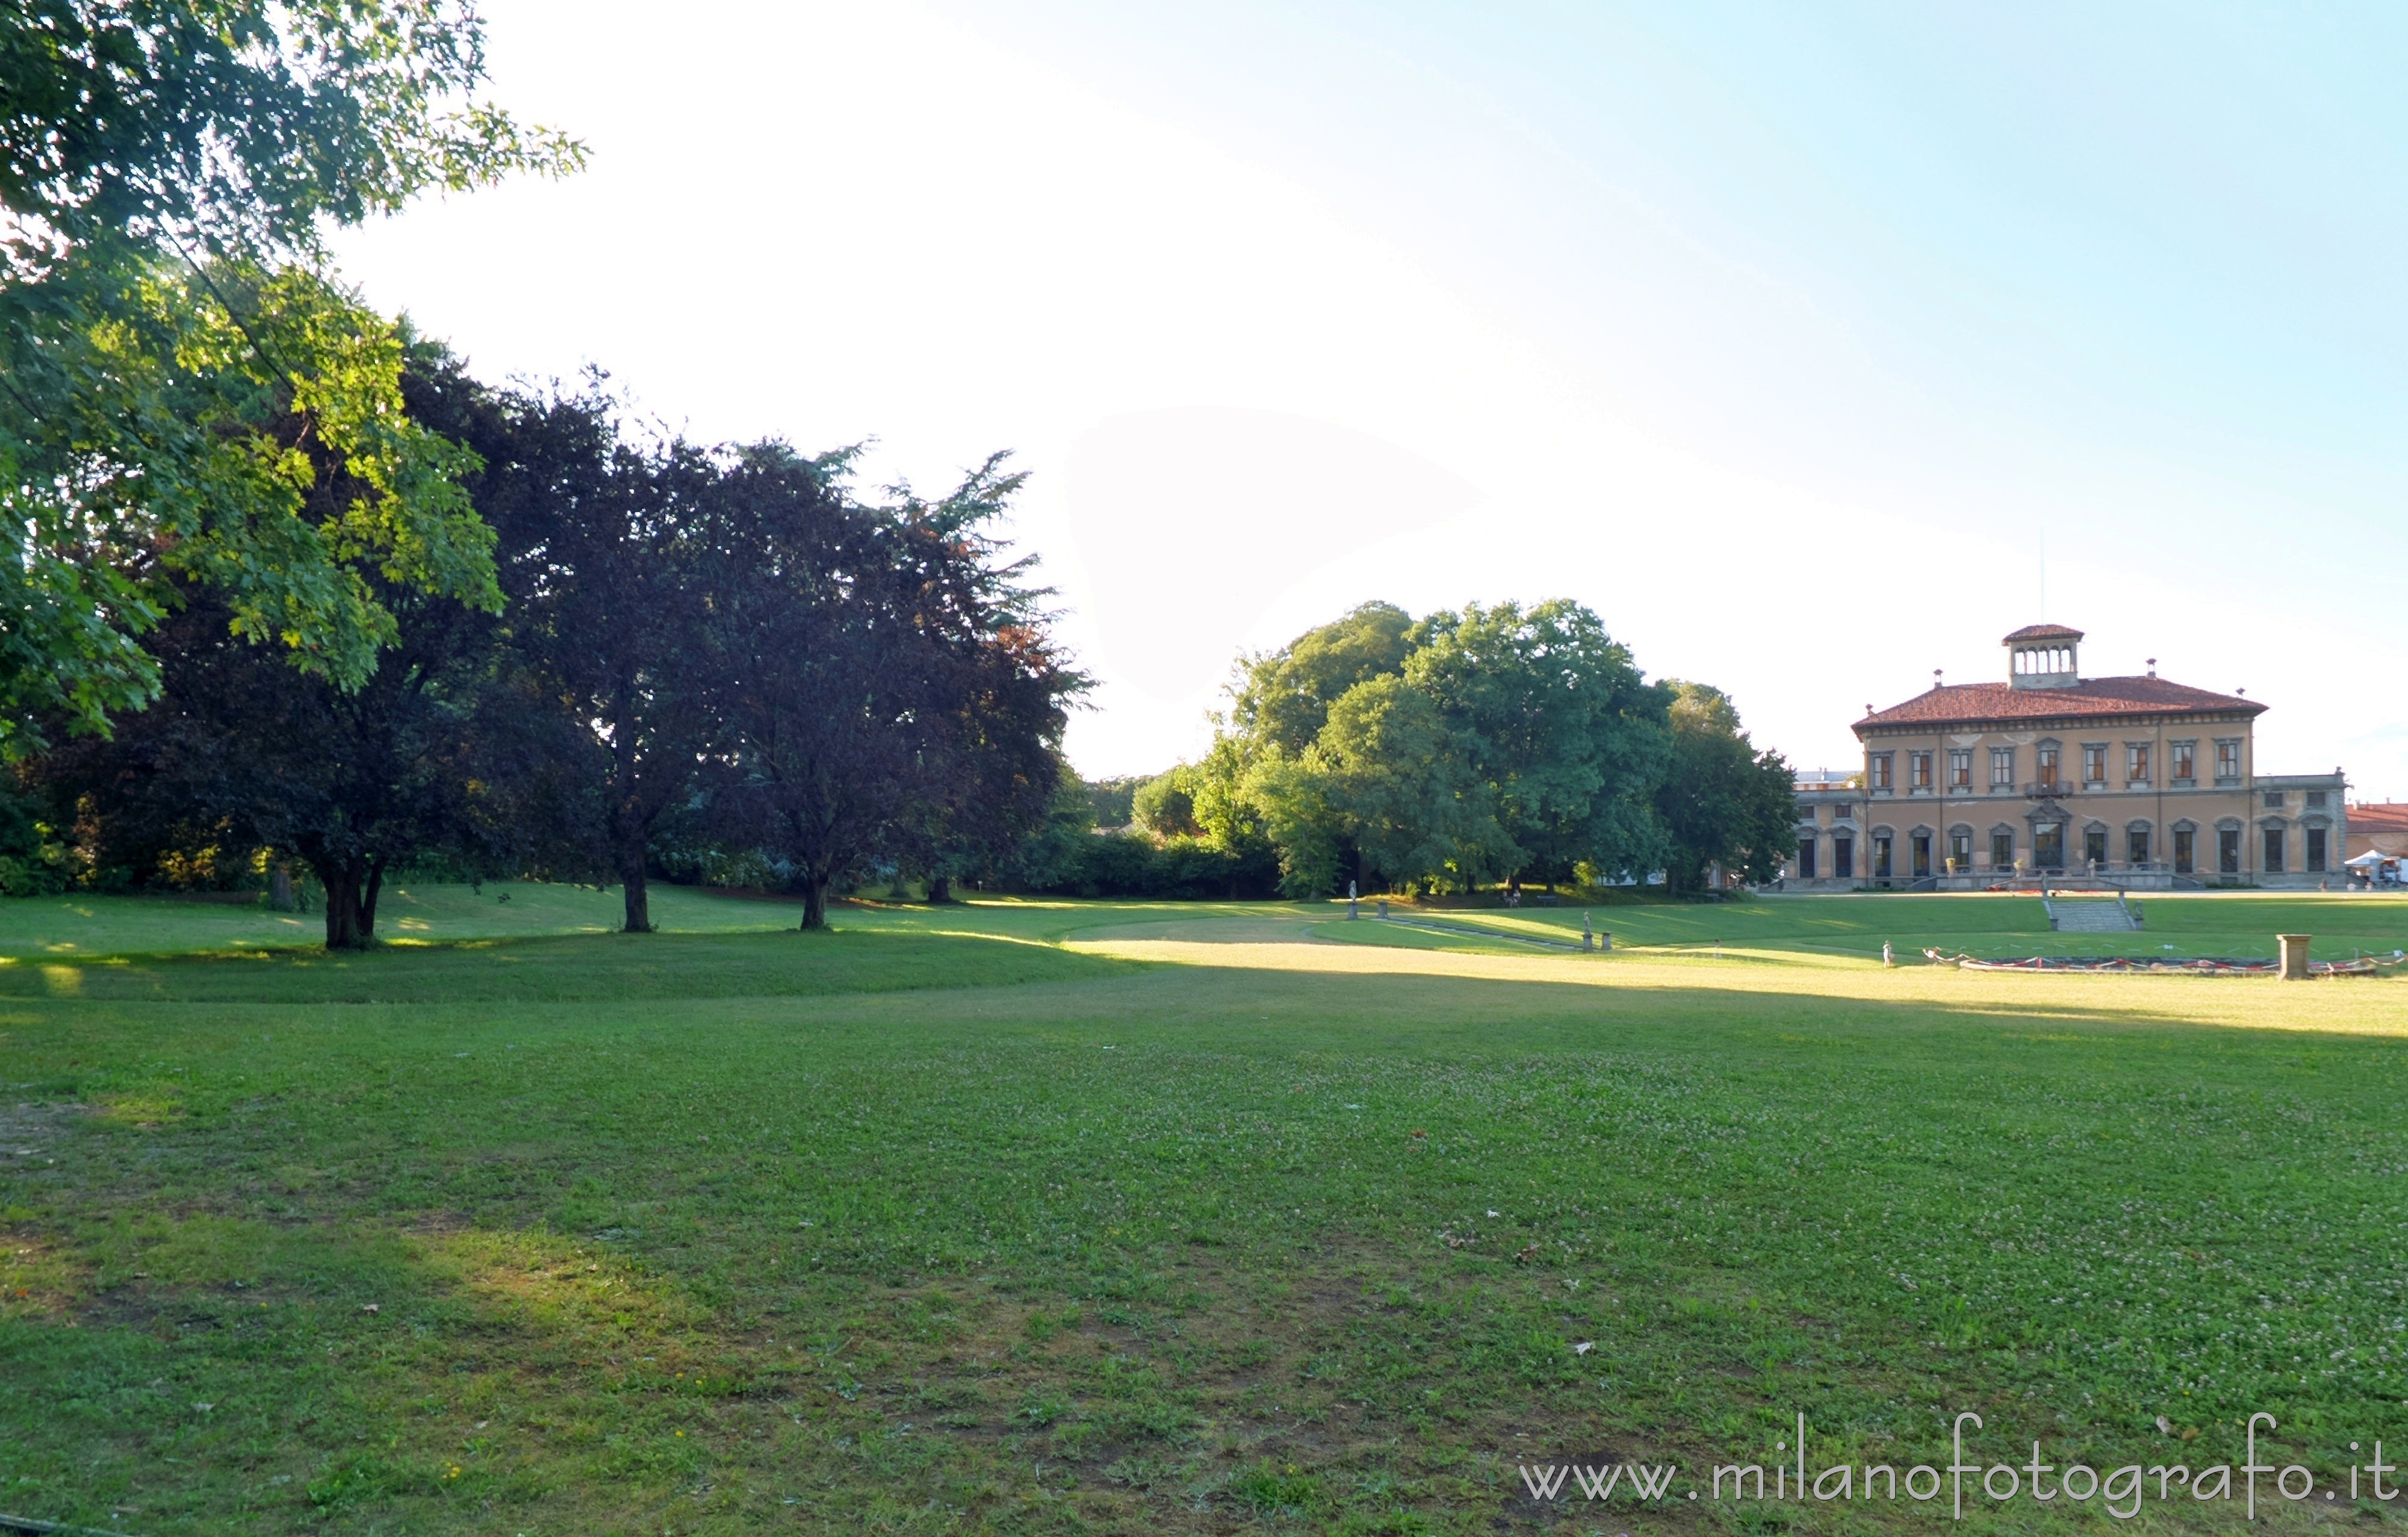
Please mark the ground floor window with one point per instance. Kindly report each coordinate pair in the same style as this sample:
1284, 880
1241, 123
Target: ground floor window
2184, 848
2228, 851
1961, 850
2136, 845
1805, 859
2094, 846
2048, 846
1922, 855
2315, 848
1843, 857
1881, 857
2273, 850
2002, 851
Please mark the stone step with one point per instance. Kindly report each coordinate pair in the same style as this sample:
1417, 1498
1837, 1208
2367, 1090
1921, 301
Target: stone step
2093, 917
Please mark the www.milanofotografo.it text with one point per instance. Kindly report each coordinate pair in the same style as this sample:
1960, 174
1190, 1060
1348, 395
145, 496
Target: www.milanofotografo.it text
1950, 1489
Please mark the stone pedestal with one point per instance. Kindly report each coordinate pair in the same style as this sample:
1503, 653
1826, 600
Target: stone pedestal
2295, 955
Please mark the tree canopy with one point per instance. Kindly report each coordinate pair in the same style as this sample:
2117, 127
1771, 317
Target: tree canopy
1472, 745
1721, 802
192, 399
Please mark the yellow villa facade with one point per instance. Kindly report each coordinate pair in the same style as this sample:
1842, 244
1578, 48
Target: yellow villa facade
2135, 782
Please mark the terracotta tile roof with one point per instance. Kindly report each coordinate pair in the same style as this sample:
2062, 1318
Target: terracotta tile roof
1967, 703
2045, 632
2379, 817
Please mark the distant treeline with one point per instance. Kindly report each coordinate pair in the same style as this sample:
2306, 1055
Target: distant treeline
1446, 754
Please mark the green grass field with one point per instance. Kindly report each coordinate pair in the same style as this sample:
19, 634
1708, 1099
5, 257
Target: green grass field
1045, 1217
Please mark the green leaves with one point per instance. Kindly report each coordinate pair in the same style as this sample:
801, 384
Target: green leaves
237, 426
242, 127
1557, 723
187, 391
1470, 746
1722, 802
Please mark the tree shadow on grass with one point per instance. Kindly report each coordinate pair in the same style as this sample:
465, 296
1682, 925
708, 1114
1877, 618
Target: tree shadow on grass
569, 968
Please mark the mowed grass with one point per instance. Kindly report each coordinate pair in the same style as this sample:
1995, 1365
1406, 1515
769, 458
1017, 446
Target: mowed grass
1060, 1217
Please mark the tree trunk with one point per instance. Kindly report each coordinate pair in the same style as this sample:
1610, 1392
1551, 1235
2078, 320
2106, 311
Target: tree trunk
342, 883
815, 890
941, 889
368, 900
639, 908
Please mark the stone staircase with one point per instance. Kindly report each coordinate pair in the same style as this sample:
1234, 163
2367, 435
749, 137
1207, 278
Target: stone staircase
2093, 916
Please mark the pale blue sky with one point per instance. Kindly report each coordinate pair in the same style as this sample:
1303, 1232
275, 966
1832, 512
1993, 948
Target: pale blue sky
1780, 334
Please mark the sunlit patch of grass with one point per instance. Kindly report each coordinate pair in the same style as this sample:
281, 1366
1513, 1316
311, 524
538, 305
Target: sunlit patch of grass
39, 1276
547, 1282
142, 1109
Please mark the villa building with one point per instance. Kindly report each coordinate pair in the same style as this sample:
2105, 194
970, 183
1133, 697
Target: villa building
2141, 782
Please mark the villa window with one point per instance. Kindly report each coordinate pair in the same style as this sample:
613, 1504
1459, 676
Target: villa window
1879, 763
2228, 851
2002, 768
2094, 763
2315, 800
2047, 769
2048, 845
2316, 849
1806, 815
2185, 762
1842, 814
1922, 855
2273, 840
1918, 772
2002, 851
1960, 768
2136, 845
1843, 859
2136, 763
1881, 856
2227, 758
2186, 850
2274, 800
1961, 850
1805, 859
2094, 846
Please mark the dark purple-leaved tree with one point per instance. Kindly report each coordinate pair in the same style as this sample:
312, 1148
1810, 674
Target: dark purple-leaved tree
887, 689
609, 575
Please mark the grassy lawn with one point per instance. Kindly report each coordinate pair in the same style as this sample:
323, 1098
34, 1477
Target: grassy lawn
1125, 1217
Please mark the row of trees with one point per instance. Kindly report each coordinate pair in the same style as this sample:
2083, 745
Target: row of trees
724, 652
1483, 745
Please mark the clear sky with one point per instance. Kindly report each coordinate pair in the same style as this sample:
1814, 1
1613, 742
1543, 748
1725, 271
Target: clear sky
1815, 348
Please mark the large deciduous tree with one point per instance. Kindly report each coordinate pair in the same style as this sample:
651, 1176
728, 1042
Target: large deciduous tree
885, 691
609, 568
352, 781
451, 745
1721, 802
1559, 727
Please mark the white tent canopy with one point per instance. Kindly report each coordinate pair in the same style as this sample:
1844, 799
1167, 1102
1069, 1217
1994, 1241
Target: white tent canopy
2368, 860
